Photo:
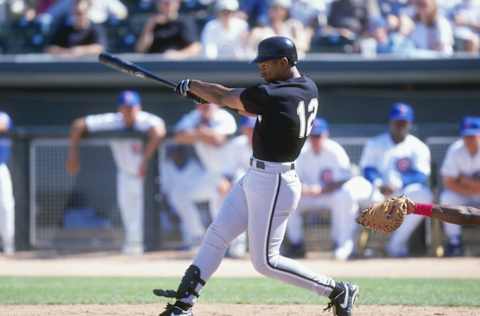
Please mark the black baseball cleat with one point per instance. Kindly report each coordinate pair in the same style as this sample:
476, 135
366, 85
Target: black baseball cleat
175, 310
342, 298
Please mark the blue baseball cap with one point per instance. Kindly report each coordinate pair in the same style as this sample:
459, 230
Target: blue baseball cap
129, 98
247, 122
319, 127
470, 126
401, 112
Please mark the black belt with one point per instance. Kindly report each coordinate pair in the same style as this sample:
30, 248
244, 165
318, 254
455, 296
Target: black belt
261, 165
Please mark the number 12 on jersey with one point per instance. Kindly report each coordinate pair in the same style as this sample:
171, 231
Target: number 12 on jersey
307, 116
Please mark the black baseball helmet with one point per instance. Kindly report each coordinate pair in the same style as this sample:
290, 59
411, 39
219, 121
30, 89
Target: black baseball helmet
276, 47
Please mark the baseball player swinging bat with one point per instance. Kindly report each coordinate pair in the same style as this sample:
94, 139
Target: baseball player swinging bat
135, 70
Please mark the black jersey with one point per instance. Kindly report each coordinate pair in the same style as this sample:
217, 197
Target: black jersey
286, 112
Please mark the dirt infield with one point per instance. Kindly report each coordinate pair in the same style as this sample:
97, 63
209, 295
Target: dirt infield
230, 310
173, 264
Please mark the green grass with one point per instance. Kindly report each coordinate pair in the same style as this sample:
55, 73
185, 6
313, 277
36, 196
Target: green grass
119, 290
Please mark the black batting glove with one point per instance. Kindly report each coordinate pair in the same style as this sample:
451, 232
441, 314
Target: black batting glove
183, 87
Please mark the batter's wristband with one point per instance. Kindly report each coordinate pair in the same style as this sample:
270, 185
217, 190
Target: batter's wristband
423, 209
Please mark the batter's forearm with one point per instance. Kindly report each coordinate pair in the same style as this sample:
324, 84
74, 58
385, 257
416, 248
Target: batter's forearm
211, 92
206, 92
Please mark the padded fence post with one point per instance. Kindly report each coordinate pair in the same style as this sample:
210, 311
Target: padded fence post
19, 168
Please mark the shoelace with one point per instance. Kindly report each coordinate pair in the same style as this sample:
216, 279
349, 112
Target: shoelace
331, 303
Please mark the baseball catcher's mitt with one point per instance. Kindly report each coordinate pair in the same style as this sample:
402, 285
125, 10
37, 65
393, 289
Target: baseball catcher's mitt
386, 216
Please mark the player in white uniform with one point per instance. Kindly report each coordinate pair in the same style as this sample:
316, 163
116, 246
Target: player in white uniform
207, 129
177, 168
7, 202
327, 183
399, 163
461, 178
239, 151
131, 159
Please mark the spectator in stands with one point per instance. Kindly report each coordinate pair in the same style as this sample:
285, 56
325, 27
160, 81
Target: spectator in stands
225, 36
312, 13
392, 7
432, 32
44, 5
77, 35
131, 159
279, 24
12, 10
327, 183
168, 33
466, 22
399, 163
7, 201
200, 10
461, 178
391, 11
27, 8
254, 11
348, 18
99, 11
395, 42
446, 6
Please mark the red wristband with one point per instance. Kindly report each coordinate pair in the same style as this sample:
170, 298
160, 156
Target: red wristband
423, 209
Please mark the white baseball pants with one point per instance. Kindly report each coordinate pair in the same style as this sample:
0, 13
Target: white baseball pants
260, 203
7, 209
131, 203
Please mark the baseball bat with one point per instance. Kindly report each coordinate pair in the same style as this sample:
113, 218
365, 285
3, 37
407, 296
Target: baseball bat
132, 69
135, 70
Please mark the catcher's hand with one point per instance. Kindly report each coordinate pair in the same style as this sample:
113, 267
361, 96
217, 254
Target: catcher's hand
386, 216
